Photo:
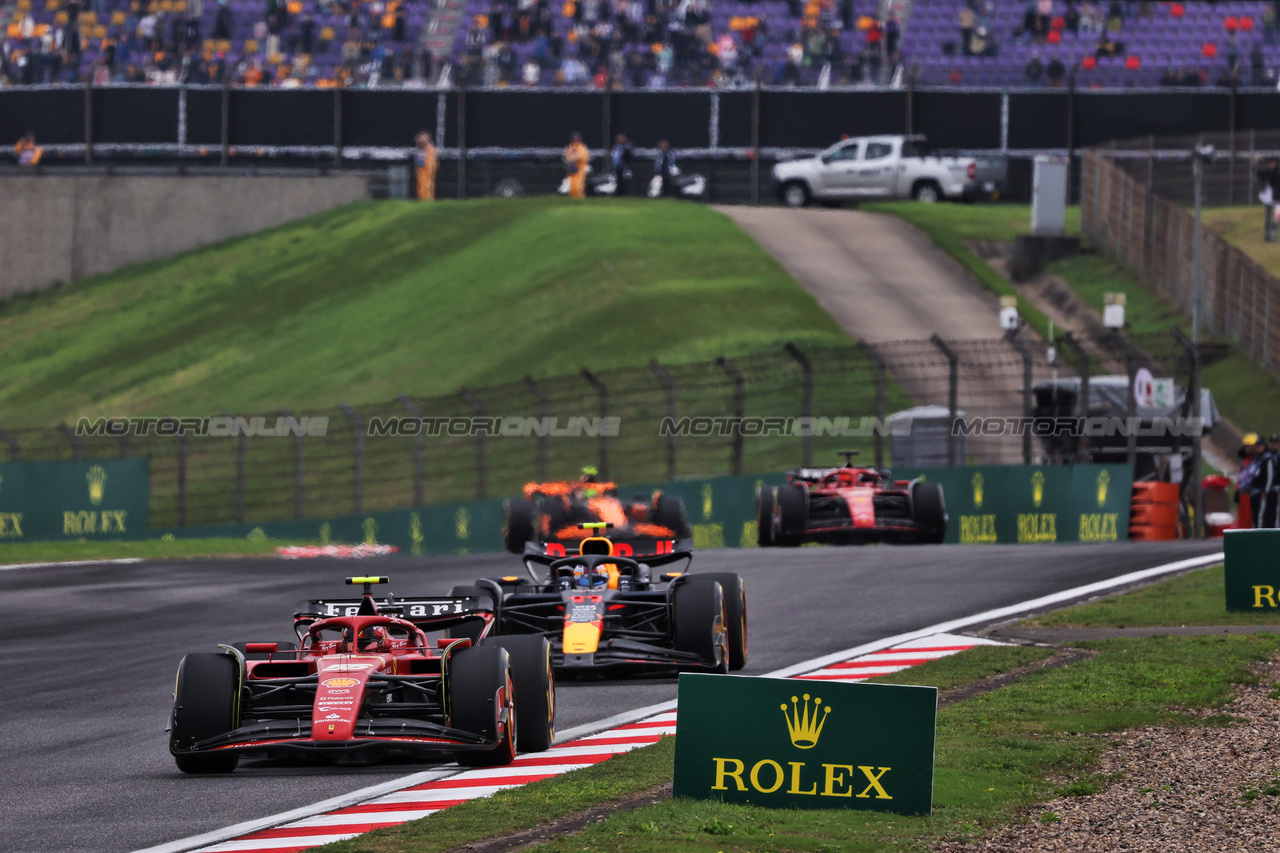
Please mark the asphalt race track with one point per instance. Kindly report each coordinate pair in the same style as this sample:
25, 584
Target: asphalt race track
91, 651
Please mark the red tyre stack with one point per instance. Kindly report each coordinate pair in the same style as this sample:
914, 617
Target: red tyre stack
1153, 514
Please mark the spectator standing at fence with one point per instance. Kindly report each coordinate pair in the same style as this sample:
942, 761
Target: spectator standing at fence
620, 158
1246, 480
27, 151
424, 166
1267, 478
1035, 69
1269, 195
967, 19
576, 157
664, 168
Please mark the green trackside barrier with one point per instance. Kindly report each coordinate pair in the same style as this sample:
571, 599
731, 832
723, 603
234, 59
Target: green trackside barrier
1030, 504
987, 504
1252, 570
74, 499
781, 743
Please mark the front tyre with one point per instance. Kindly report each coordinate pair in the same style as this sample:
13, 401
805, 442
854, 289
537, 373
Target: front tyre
205, 704
929, 511
735, 614
790, 515
482, 701
795, 194
766, 505
698, 621
535, 689
517, 524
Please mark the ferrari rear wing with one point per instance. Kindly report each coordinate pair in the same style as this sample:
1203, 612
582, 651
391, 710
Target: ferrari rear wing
431, 614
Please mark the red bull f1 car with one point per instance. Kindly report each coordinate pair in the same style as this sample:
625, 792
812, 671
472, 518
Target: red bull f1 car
553, 513
849, 505
603, 612
365, 680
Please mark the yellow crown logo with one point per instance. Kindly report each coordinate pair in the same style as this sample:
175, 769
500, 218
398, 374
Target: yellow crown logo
1037, 488
706, 501
97, 478
462, 523
1103, 479
977, 491
805, 728
370, 528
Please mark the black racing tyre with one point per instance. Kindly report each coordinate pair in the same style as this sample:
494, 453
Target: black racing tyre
517, 524
792, 514
795, 194
472, 628
735, 614
668, 511
929, 511
283, 646
478, 677
927, 192
698, 620
551, 509
535, 685
765, 503
206, 703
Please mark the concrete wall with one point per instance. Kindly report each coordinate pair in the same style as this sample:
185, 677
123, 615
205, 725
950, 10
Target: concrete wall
62, 228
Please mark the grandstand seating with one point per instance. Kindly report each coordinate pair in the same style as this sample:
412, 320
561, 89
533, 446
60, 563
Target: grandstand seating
1196, 39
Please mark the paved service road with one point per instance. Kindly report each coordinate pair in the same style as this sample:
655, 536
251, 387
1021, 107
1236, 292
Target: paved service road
880, 278
91, 651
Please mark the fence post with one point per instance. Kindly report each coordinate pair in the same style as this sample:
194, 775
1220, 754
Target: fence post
1146, 211
418, 447
603, 391
755, 144
481, 466
357, 492
953, 394
8, 439
739, 411
1131, 408
77, 447
1082, 398
806, 405
88, 120
462, 137
241, 453
182, 479
542, 433
337, 129
670, 385
1193, 395
1028, 405
226, 118
299, 486
880, 386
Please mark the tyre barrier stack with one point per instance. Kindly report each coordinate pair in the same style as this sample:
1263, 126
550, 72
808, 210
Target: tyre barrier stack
1153, 513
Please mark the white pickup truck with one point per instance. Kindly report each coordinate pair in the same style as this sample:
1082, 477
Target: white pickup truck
886, 167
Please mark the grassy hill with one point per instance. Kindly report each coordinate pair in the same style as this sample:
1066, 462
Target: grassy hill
382, 298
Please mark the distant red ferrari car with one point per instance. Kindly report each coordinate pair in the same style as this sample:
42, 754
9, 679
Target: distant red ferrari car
367, 681
849, 505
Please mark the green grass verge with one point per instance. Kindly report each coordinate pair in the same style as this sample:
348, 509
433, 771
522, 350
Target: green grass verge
1195, 598
1242, 228
1052, 725
150, 549
377, 299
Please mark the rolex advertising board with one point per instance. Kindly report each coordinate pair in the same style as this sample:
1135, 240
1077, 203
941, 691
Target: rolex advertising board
1252, 570
1033, 504
792, 743
74, 499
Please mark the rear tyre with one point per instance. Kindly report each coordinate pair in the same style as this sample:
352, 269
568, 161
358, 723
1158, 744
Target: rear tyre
535, 689
205, 704
735, 614
471, 628
668, 511
698, 616
517, 524
795, 194
929, 511
765, 504
792, 506
480, 683
927, 192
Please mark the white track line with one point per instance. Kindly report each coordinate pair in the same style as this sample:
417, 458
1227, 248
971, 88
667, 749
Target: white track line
616, 721
123, 561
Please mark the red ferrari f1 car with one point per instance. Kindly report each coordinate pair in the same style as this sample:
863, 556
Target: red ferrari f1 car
849, 505
607, 608
553, 513
366, 680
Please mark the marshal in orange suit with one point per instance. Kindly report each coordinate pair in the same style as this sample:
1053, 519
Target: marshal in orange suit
576, 157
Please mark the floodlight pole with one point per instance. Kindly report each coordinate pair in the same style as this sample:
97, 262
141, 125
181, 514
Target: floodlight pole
1197, 255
